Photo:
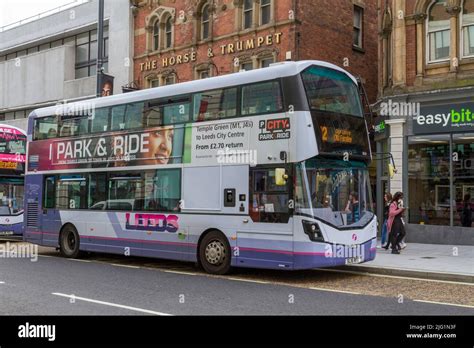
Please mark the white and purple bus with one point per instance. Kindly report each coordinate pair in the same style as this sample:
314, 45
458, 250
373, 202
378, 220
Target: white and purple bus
12, 177
264, 169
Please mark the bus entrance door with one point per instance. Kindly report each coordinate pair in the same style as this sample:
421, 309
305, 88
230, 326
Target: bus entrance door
266, 240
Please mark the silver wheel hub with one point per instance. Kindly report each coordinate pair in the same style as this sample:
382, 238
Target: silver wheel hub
215, 252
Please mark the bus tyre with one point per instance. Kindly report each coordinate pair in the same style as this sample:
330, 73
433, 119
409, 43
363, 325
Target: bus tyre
69, 242
214, 253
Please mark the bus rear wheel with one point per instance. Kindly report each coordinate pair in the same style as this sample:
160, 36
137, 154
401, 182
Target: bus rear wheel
215, 253
69, 242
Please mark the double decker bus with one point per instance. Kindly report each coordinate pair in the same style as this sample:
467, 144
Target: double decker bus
263, 169
12, 177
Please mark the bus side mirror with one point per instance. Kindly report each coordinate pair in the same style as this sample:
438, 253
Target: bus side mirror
280, 176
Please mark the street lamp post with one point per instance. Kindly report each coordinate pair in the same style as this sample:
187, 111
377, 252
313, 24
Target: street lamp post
100, 47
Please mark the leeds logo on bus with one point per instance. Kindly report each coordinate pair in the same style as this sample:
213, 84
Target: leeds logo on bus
152, 222
276, 129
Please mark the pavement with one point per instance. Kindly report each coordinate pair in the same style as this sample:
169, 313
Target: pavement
432, 261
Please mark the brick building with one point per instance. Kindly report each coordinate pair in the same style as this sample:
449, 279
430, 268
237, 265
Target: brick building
426, 92
182, 40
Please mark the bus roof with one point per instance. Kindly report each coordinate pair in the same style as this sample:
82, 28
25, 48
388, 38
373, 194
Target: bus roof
277, 70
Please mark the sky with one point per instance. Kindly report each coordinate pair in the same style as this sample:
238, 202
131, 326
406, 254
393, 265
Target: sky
14, 10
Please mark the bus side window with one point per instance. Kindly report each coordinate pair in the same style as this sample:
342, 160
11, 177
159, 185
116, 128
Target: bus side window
261, 98
49, 192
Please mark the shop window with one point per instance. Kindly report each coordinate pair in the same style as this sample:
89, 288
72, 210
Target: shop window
468, 28
463, 176
439, 32
428, 180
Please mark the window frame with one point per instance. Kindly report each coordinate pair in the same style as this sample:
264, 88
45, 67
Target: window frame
205, 22
261, 8
461, 32
241, 98
250, 10
428, 37
360, 10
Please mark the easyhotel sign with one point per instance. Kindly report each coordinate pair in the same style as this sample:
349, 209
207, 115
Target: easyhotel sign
445, 119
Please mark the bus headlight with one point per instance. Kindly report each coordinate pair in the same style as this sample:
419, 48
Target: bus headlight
313, 231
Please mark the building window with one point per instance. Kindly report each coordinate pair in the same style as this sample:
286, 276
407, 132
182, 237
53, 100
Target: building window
86, 53
156, 35
205, 22
358, 26
468, 27
169, 80
248, 14
246, 66
154, 83
265, 62
203, 74
439, 32
265, 11
168, 33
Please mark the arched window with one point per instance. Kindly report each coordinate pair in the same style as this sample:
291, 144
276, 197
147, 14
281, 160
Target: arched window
439, 33
205, 22
248, 14
168, 32
156, 35
468, 28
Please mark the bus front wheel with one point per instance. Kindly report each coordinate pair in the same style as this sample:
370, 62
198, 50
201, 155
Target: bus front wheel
69, 242
214, 253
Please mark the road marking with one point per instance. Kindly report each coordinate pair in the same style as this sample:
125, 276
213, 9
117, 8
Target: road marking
246, 280
445, 304
126, 266
180, 272
392, 276
333, 290
2, 282
110, 304
47, 256
79, 260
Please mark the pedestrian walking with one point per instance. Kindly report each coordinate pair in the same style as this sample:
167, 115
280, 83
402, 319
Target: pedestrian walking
385, 238
395, 227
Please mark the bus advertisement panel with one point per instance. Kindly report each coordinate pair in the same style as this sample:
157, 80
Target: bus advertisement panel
12, 166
